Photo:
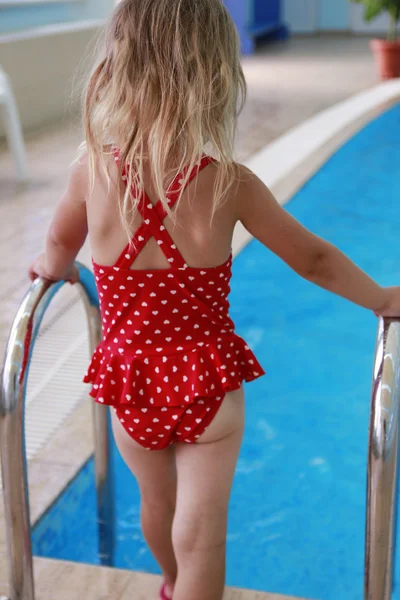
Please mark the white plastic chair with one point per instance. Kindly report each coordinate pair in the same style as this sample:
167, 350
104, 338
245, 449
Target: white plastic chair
13, 127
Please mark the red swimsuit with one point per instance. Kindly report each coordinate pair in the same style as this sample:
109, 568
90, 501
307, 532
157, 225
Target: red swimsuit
169, 352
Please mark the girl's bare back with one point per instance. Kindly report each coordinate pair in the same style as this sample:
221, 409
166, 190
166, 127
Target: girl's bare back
203, 239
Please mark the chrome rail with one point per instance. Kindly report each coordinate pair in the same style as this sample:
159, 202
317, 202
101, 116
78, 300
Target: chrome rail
12, 436
383, 463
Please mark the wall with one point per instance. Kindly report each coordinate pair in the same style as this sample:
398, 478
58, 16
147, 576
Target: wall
22, 17
380, 25
334, 15
43, 70
300, 15
41, 47
242, 13
308, 16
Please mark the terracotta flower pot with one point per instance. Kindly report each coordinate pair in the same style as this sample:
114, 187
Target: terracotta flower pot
387, 57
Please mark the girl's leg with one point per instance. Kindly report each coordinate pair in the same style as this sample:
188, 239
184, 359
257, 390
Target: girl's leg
205, 474
156, 475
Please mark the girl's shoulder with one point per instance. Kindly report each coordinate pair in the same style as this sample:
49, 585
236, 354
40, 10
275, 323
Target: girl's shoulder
87, 172
248, 187
78, 182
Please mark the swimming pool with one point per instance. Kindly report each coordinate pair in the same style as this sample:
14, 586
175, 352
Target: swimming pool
298, 504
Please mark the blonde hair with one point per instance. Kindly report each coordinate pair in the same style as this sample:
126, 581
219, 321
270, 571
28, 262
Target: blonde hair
169, 84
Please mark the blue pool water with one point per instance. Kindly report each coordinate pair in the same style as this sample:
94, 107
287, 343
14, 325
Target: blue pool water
298, 505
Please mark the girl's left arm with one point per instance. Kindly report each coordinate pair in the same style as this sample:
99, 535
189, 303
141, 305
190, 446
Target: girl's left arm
67, 232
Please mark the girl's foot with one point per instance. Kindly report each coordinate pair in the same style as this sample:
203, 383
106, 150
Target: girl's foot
163, 593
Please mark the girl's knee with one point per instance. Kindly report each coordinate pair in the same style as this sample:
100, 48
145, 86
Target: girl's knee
156, 516
199, 530
158, 504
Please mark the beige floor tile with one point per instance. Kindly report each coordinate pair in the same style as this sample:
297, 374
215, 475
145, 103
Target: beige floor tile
57, 580
146, 587
73, 444
142, 586
78, 581
46, 481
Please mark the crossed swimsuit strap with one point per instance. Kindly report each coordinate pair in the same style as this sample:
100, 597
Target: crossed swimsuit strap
153, 218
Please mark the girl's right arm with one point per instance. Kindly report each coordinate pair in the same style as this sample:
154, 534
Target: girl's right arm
311, 257
67, 231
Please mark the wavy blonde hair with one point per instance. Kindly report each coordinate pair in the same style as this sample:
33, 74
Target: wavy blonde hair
168, 86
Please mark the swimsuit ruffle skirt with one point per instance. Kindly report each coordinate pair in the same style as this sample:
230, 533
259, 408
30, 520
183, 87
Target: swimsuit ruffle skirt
168, 340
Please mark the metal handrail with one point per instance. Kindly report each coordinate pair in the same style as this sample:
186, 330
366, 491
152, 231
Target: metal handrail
12, 437
383, 463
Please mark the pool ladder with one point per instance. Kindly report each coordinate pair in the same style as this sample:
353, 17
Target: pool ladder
382, 452
12, 404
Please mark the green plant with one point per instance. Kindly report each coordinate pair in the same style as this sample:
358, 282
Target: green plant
373, 8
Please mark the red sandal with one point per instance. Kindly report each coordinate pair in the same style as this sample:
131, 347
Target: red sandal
163, 593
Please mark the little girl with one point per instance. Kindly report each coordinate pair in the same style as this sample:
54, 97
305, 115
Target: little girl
159, 193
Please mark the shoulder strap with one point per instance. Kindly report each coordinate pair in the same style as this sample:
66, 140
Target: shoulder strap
176, 186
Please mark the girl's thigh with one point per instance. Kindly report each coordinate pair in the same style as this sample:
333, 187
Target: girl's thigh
206, 469
155, 471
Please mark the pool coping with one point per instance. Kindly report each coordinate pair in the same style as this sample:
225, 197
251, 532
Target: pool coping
284, 165
88, 582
